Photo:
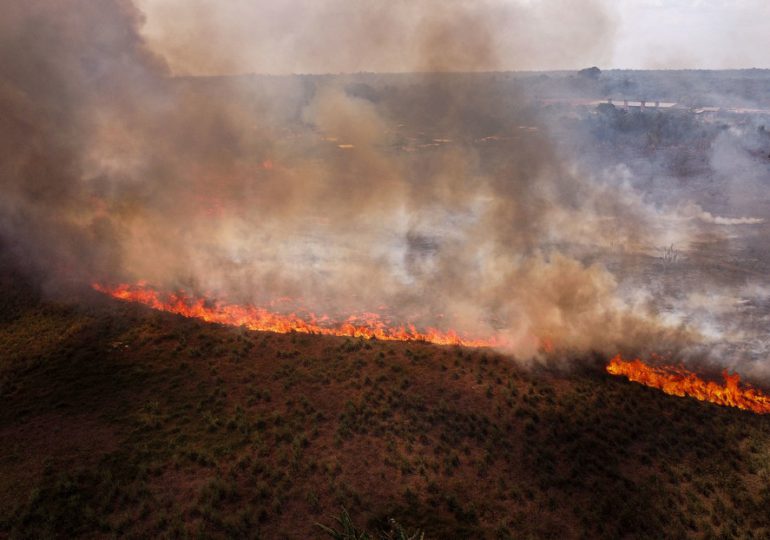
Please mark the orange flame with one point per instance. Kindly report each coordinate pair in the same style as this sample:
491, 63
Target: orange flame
678, 381
367, 325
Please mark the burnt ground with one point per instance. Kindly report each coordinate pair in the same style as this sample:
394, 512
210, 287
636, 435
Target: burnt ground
119, 421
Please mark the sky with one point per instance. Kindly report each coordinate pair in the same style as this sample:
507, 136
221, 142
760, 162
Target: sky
708, 34
332, 36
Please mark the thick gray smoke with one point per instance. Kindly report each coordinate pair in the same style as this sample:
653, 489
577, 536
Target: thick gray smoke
320, 188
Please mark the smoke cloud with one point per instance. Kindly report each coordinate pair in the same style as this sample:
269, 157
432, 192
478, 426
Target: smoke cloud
323, 189
334, 36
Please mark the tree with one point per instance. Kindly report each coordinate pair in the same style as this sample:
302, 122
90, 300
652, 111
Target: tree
590, 73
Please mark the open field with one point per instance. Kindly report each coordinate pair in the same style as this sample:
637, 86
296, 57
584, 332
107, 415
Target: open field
294, 269
120, 421
116, 420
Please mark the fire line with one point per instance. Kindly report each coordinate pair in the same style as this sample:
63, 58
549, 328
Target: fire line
678, 381
368, 325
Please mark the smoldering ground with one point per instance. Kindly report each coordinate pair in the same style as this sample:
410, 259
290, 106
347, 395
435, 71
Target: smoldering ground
320, 188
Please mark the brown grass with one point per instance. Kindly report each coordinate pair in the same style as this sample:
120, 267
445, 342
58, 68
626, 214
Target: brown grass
116, 420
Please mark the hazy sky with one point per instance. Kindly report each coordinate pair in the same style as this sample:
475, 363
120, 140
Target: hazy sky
692, 33
302, 36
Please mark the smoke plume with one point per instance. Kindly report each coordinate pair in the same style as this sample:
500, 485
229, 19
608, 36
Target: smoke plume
325, 189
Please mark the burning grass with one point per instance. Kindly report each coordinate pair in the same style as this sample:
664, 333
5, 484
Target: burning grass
169, 427
366, 325
678, 381
672, 380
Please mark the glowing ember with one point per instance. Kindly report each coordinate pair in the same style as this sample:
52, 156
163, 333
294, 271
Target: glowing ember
367, 325
678, 381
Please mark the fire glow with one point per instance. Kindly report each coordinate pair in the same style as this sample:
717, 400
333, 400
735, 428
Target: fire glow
367, 325
678, 381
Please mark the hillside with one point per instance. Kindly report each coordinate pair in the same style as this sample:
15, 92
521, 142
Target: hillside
119, 421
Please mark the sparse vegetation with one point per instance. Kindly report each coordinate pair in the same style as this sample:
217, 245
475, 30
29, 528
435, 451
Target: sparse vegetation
118, 421
346, 530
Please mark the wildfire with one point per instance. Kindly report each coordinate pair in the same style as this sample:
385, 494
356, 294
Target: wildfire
367, 325
678, 381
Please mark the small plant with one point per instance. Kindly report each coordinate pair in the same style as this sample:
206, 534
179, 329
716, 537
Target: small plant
348, 530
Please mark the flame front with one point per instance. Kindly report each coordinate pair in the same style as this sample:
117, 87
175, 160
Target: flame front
678, 381
368, 325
